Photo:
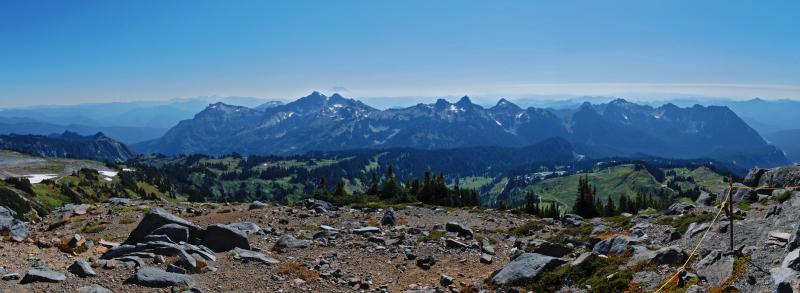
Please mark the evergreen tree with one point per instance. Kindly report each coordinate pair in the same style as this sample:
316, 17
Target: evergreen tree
610, 209
390, 189
340, 190
373, 185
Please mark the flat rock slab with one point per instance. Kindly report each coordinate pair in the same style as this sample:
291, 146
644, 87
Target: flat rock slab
525, 268
249, 255
288, 241
93, 289
35, 275
157, 278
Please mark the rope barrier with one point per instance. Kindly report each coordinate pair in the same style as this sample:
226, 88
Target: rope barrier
728, 200
697, 246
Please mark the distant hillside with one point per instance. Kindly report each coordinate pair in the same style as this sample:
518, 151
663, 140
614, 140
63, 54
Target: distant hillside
788, 141
321, 123
68, 145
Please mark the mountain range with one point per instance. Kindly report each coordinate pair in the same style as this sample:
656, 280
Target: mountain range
68, 145
129, 122
329, 123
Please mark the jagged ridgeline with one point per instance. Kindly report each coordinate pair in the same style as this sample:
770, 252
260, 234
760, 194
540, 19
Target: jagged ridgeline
321, 123
68, 145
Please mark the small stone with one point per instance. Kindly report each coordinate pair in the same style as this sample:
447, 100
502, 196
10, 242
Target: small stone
81, 269
445, 280
486, 258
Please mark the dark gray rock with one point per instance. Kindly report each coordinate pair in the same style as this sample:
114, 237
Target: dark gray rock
175, 232
782, 279
462, 229
257, 205
11, 277
157, 278
81, 269
753, 177
740, 194
792, 260
617, 245
486, 258
487, 247
249, 255
794, 243
671, 255
715, 267
549, 249
704, 199
452, 243
318, 205
176, 269
446, 280
221, 238
366, 230
156, 218
695, 229
672, 236
678, 208
93, 289
572, 220
289, 241
781, 177
246, 227
389, 218
42, 274
119, 201
525, 268
426, 262
9, 224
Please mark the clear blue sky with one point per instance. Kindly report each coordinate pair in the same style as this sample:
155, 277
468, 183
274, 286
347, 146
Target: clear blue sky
81, 51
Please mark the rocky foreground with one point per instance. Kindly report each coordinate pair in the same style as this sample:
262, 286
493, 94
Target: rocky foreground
139, 246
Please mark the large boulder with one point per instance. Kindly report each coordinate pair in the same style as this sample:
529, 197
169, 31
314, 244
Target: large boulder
782, 279
781, 177
389, 218
671, 255
157, 278
319, 206
175, 232
794, 243
740, 193
715, 267
617, 245
462, 229
9, 224
221, 238
678, 208
753, 177
572, 220
289, 241
156, 218
548, 248
704, 199
246, 227
524, 268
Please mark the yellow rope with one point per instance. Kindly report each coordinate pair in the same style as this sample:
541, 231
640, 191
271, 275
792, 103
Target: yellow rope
697, 246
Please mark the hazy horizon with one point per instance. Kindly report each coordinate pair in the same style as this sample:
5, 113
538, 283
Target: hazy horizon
68, 53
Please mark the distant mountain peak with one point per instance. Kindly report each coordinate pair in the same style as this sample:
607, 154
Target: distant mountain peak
464, 101
505, 104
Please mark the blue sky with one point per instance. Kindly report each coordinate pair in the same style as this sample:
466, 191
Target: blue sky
61, 52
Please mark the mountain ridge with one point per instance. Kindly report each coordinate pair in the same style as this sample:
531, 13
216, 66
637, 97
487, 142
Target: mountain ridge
320, 123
